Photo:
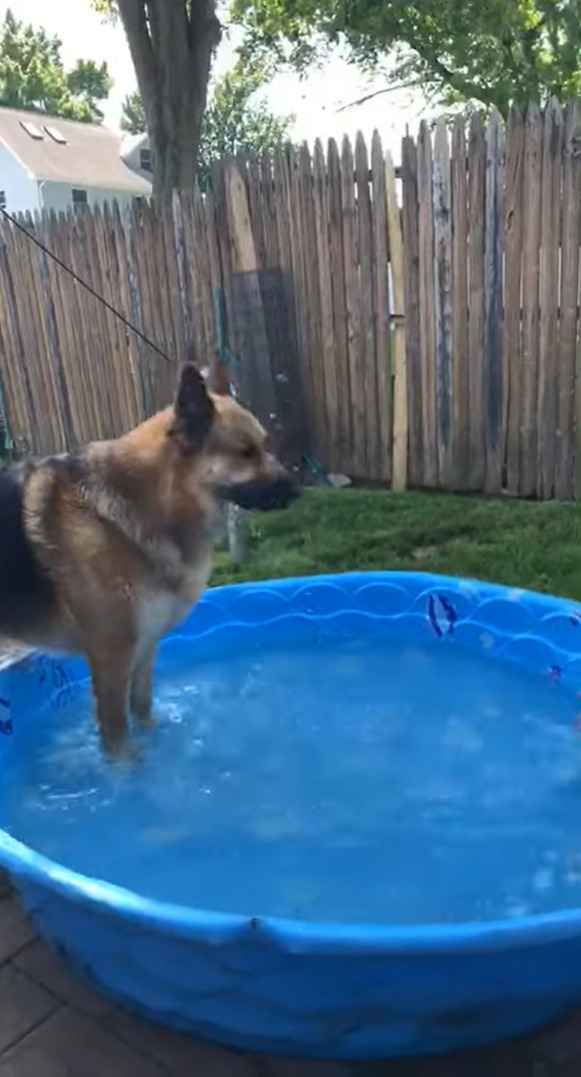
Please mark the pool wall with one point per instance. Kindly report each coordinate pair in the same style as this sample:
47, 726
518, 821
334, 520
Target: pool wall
337, 991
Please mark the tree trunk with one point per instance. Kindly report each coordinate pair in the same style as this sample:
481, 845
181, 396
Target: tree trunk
172, 43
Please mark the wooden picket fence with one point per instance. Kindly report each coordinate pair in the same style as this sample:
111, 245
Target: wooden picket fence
433, 308
492, 234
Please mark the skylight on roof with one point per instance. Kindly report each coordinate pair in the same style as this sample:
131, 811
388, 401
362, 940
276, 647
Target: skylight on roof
32, 130
56, 134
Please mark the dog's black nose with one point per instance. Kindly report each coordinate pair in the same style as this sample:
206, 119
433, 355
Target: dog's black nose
263, 495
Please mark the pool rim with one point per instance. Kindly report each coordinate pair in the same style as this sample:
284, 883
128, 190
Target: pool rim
188, 922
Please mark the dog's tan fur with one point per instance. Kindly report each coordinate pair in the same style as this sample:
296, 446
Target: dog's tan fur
124, 533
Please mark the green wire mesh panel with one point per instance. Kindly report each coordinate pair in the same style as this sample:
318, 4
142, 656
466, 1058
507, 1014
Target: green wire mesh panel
261, 336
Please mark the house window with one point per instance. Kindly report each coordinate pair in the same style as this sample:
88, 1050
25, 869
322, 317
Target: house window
145, 159
79, 196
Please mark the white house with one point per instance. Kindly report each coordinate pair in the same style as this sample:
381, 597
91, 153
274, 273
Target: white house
53, 164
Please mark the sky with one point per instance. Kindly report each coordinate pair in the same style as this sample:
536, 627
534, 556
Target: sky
315, 101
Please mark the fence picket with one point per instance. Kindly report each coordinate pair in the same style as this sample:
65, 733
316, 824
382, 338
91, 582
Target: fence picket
476, 317
512, 318
493, 259
427, 305
430, 332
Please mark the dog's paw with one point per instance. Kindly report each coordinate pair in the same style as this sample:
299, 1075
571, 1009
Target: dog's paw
123, 753
146, 721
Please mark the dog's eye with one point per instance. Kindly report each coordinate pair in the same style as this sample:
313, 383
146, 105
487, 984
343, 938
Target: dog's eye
249, 452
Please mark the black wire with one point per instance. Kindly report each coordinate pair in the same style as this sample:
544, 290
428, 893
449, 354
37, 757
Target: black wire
84, 284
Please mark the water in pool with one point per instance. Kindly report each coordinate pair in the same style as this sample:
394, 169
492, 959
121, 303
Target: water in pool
352, 780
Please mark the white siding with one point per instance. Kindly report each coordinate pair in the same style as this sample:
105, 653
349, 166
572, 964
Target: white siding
20, 188
59, 196
132, 156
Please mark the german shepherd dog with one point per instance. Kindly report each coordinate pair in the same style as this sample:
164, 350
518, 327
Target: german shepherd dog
104, 550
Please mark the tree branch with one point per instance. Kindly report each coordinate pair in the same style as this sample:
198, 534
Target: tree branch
412, 84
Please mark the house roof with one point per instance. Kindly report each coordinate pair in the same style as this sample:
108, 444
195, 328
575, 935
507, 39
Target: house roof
131, 143
90, 156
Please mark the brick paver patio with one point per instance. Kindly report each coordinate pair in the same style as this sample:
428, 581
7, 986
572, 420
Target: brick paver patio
52, 1026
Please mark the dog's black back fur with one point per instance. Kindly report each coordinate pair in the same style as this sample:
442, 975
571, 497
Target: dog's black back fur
25, 589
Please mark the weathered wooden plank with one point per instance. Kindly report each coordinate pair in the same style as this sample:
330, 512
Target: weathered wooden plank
460, 356
549, 297
326, 305
513, 229
494, 252
218, 369
160, 314
255, 201
195, 270
398, 336
281, 207
96, 354
383, 357
38, 312
68, 360
177, 348
75, 344
15, 285
368, 368
103, 253
254, 382
107, 253
243, 250
271, 248
179, 240
357, 388
13, 374
530, 302
339, 306
443, 303
135, 307
566, 384
312, 305
256, 389
292, 188
141, 221
476, 208
427, 307
204, 295
412, 309
130, 339
223, 245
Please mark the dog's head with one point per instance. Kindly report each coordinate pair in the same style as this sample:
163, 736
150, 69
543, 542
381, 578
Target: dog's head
227, 446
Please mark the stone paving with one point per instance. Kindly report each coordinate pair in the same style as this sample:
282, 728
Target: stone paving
52, 1026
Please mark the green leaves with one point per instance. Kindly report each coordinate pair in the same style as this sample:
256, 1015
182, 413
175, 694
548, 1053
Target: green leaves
485, 52
32, 75
233, 124
133, 114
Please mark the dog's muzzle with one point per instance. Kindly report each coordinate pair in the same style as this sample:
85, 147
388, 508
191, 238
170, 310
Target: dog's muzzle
262, 495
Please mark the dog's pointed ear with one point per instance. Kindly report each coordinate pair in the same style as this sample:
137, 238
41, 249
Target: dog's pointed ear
193, 408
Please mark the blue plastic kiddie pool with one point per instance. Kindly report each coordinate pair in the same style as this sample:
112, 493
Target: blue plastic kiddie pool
356, 831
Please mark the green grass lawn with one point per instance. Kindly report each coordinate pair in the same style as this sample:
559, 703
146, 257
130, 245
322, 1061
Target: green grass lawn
522, 544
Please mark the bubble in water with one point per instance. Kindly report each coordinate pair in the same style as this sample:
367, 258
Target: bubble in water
460, 737
517, 909
543, 879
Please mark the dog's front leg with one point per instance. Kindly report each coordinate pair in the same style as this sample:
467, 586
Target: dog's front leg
140, 692
111, 672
